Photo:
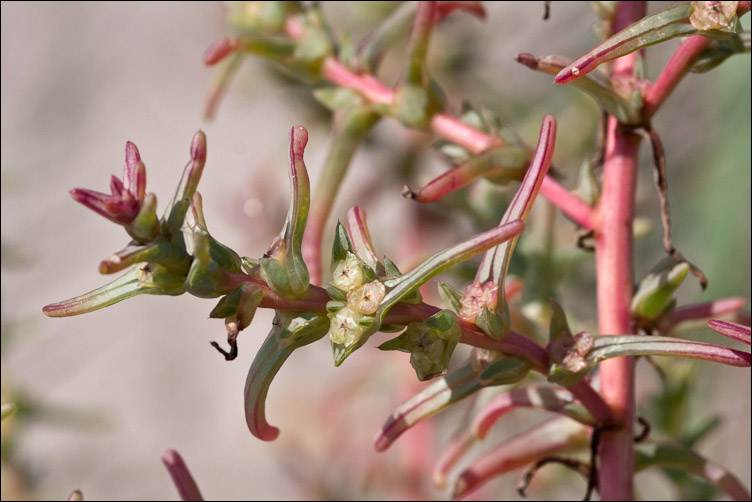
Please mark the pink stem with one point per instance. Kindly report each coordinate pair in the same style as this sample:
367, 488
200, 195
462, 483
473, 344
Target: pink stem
592, 400
456, 131
675, 70
373, 89
613, 255
613, 258
569, 204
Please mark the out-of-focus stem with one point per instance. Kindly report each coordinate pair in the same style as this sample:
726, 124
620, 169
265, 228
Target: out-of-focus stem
374, 46
569, 204
425, 17
350, 127
592, 400
613, 259
456, 131
219, 84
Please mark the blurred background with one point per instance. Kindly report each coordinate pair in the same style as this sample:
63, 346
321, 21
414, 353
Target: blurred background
101, 396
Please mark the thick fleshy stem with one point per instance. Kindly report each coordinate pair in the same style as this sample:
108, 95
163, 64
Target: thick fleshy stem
613, 255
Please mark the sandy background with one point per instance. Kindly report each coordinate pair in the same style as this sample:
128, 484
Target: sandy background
109, 391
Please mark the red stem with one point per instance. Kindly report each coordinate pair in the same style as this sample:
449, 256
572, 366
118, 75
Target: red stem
677, 67
675, 70
569, 204
613, 259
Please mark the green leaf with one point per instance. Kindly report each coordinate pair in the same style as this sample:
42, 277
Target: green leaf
559, 331
275, 275
450, 296
240, 305
430, 344
503, 371
336, 98
655, 292
341, 246
144, 278
335, 306
411, 106
490, 322
227, 305
719, 50
391, 268
289, 332
289, 276
335, 293
145, 227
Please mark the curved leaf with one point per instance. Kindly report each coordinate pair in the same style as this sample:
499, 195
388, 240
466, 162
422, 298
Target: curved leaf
289, 332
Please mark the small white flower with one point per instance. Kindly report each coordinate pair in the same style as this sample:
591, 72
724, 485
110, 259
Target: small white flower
348, 274
366, 298
344, 329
